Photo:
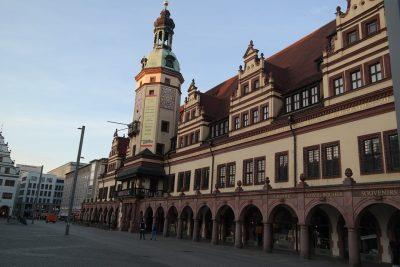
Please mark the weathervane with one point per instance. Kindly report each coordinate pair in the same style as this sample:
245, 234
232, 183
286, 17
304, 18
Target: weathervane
165, 4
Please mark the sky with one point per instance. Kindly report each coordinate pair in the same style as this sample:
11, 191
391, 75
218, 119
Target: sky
69, 63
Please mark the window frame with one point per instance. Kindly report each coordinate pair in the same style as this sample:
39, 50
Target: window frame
324, 160
248, 172
367, 22
264, 110
359, 81
257, 181
277, 166
255, 119
229, 182
306, 162
339, 87
361, 153
236, 122
386, 142
245, 122
219, 176
165, 126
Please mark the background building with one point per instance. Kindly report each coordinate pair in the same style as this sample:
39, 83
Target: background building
49, 197
86, 185
9, 175
28, 168
62, 170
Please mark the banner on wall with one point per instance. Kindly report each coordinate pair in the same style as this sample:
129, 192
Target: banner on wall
149, 123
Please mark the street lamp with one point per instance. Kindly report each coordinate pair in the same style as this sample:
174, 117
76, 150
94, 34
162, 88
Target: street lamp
72, 196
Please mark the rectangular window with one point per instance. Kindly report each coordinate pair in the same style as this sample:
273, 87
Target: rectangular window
231, 175
311, 159
192, 139
181, 144
165, 126
331, 160
248, 166
181, 176
245, 120
236, 123
392, 151
10, 183
296, 101
152, 79
196, 137
259, 164
314, 95
265, 113
288, 102
205, 178
246, 89
222, 176
372, 27
352, 37
281, 166
167, 81
187, 181
356, 79
171, 183
256, 84
338, 86
306, 100
371, 160
186, 140
187, 116
160, 149
197, 179
7, 195
255, 116
375, 72
193, 114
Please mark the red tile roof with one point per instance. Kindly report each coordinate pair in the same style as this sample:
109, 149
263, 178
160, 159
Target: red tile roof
292, 68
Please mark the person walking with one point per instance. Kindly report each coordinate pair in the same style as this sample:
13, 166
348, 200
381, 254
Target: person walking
142, 229
153, 232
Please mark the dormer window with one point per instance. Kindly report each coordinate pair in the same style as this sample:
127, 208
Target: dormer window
256, 84
169, 61
245, 89
372, 27
352, 37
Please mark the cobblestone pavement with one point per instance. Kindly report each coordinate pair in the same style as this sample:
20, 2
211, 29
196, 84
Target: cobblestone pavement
45, 245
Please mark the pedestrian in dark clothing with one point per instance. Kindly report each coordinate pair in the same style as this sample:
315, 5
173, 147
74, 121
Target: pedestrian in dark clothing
153, 232
142, 229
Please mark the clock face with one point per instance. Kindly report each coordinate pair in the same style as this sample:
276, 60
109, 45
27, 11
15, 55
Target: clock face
167, 99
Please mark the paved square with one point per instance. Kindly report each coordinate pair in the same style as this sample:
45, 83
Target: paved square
45, 245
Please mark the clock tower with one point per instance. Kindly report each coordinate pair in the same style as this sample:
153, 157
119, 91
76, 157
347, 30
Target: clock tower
158, 93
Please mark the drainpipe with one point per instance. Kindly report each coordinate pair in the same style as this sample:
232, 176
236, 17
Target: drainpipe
291, 121
210, 144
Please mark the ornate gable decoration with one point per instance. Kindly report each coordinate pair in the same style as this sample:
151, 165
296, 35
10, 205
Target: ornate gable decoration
250, 52
355, 7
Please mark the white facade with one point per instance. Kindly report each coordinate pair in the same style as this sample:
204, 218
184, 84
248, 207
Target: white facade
9, 175
48, 198
86, 185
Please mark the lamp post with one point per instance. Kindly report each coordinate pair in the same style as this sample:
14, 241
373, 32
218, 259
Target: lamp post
37, 195
72, 196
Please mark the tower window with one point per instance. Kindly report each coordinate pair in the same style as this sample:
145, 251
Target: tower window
151, 92
152, 79
169, 61
160, 149
167, 81
165, 126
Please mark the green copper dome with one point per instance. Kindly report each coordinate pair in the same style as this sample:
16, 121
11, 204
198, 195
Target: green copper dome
162, 58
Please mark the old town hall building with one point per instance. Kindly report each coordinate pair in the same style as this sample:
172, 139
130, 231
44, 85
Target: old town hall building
298, 151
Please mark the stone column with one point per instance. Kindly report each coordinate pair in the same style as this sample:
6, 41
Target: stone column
267, 237
196, 230
214, 237
203, 227
179, 230
238, 234
354, 252
304, 242
165, 227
